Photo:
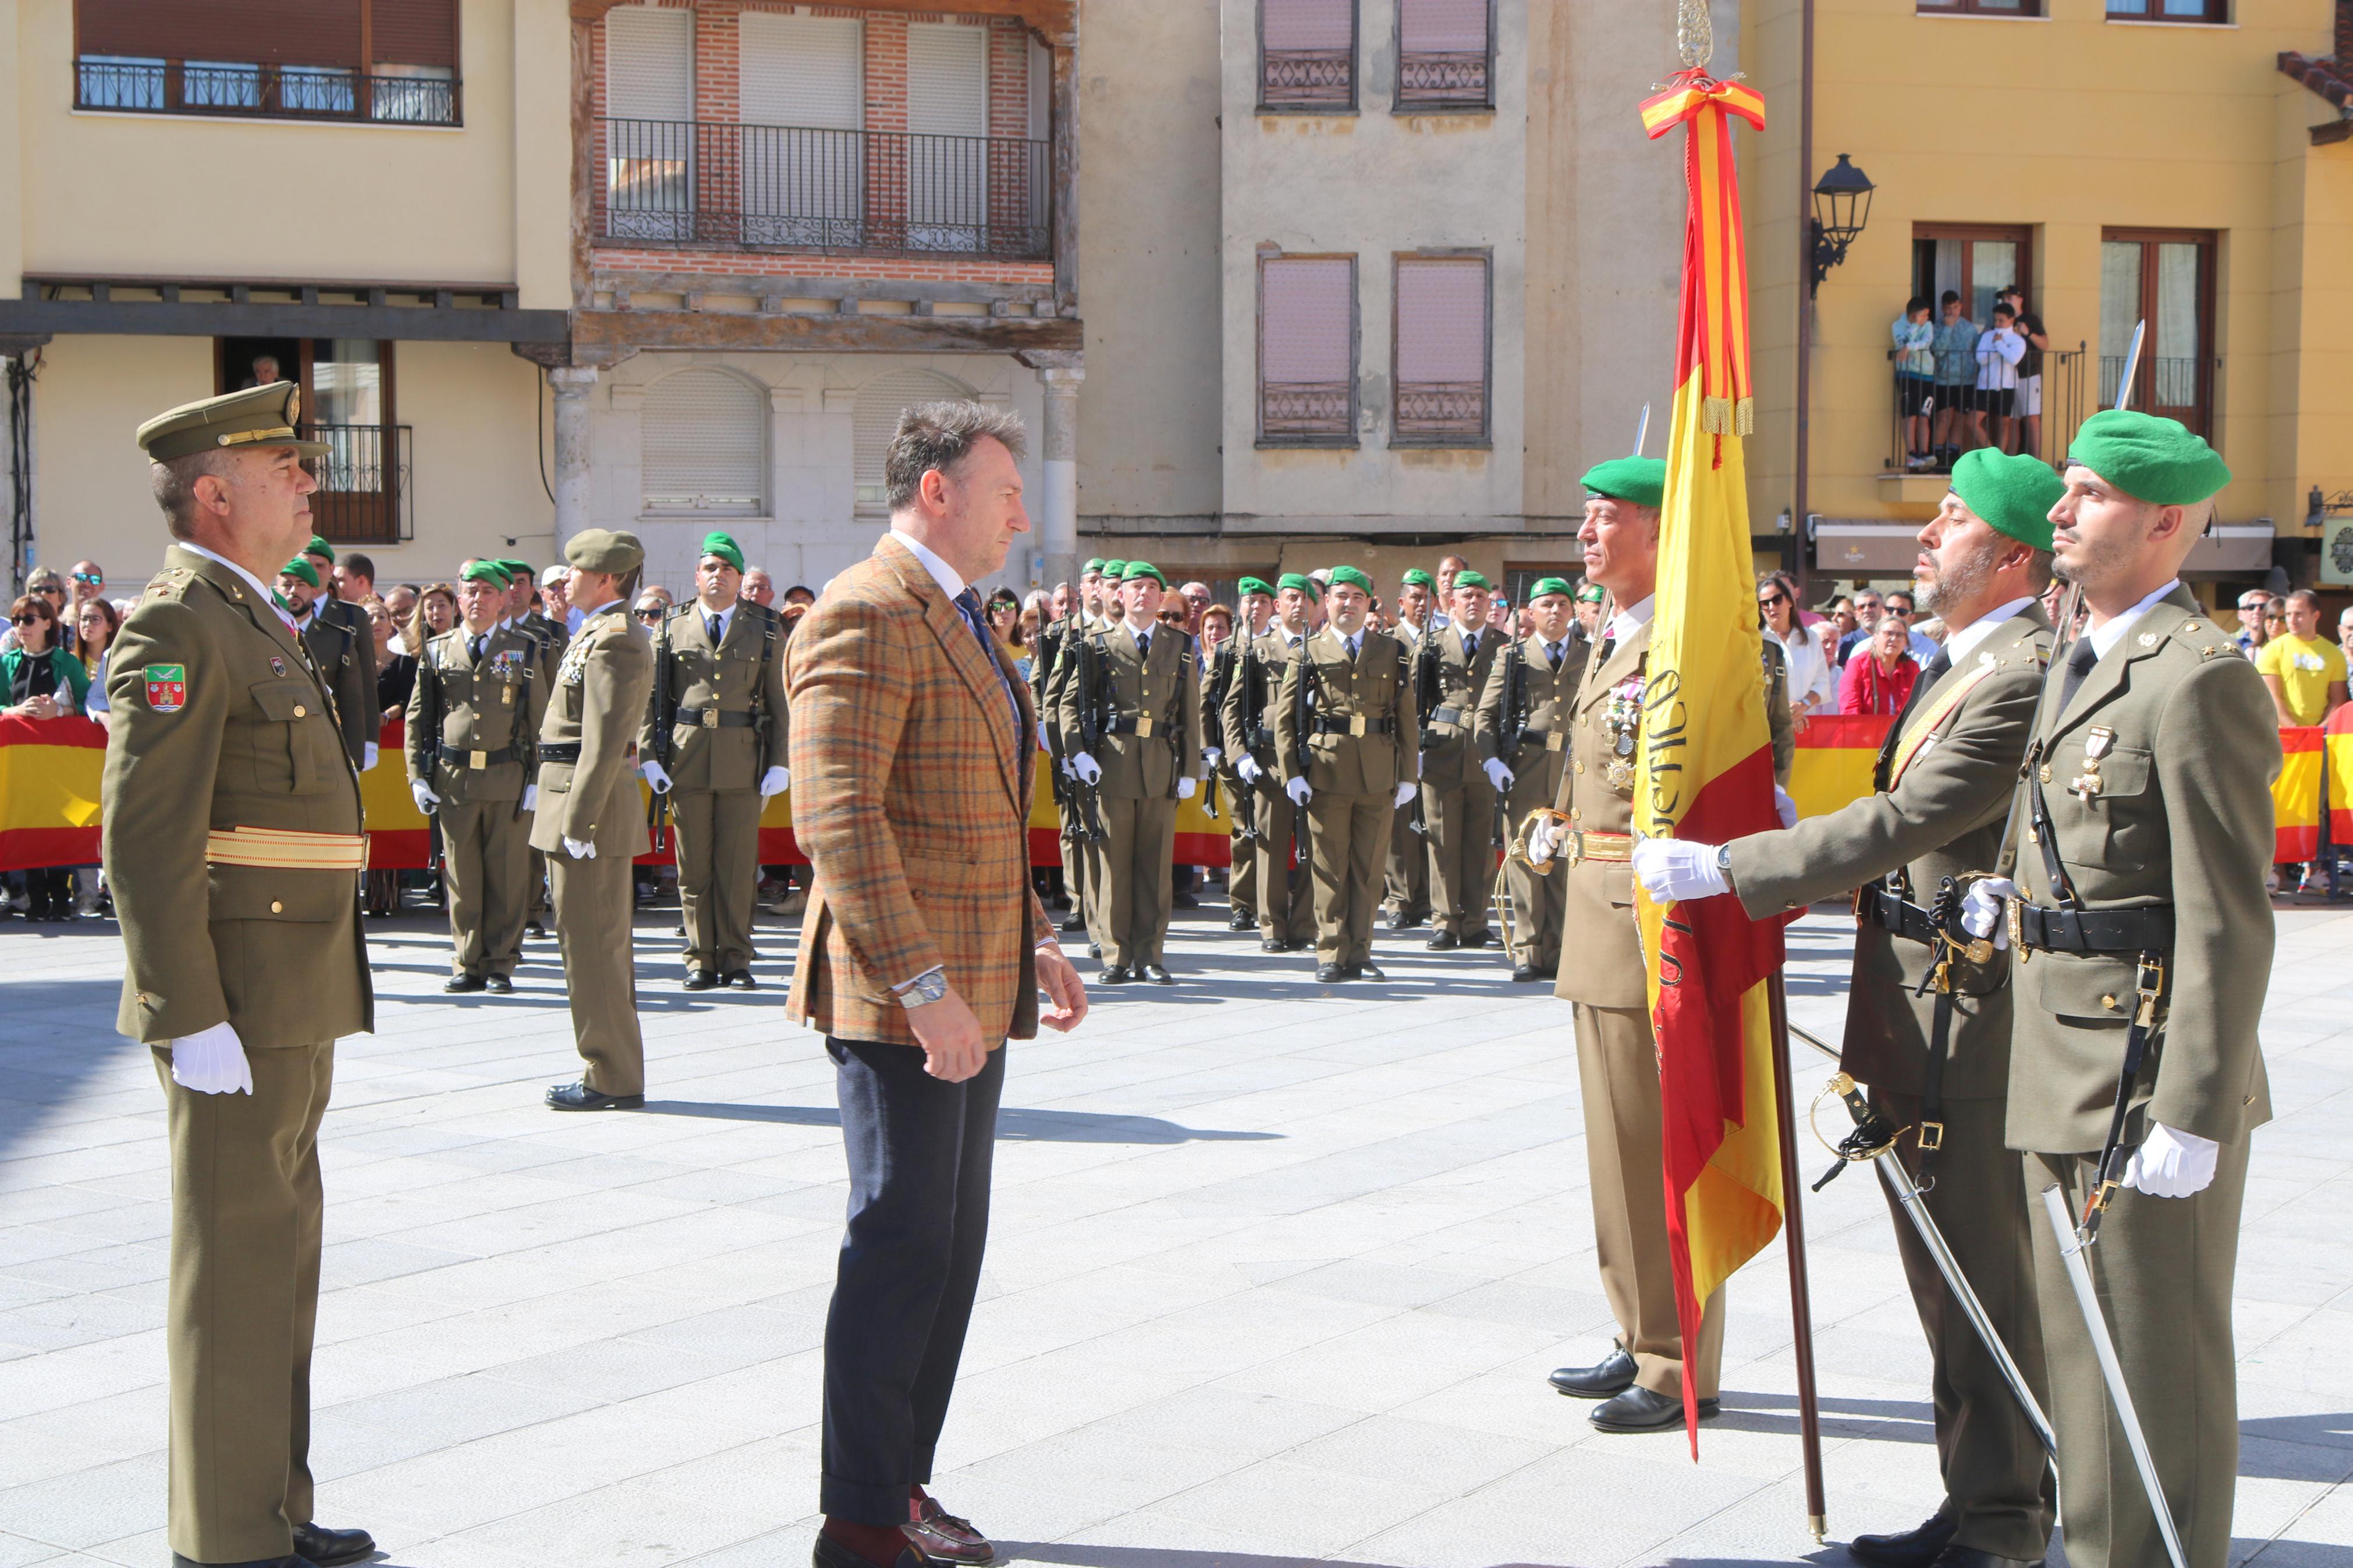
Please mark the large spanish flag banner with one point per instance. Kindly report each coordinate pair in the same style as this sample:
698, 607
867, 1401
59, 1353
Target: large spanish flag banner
1706, 770
50, 771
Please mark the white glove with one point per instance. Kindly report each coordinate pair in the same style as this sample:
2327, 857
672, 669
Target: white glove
1298, 791
1214, 755
2170, 1163
775, 781
656, 776
579, 850
1543, 841
530, 797
1784, 807
368, 755
1676, 869
1981, 909
1404, 791
1246, 768
425, 798
1086, 769
1186, 785
1498, 774
1069, 772
212, 1061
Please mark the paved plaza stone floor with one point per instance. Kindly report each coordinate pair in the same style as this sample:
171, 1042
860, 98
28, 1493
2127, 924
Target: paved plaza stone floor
1276, 1275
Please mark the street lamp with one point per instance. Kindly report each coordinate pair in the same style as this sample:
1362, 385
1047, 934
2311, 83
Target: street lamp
1842, 206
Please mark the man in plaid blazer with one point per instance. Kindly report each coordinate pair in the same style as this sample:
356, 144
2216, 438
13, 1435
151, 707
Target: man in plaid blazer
923, 950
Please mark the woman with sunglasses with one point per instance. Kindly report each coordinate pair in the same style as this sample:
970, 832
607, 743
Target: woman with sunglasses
40, 681
1812, 688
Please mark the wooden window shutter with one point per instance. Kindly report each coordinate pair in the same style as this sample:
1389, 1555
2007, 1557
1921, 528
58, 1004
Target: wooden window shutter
263, 32
1307, 348
415, 32
648, 63
704, 444
1441, 347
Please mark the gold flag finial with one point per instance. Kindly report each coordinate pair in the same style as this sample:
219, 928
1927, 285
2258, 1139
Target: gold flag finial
1694, 34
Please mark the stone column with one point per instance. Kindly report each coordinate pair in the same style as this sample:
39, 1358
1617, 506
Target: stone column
571, 386
1056, 515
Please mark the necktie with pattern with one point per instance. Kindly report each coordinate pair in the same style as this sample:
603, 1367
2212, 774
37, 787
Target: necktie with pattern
967, 604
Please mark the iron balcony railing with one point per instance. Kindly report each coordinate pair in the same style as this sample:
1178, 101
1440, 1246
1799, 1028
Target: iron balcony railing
1444, 79
1307, 79
363, 484
2178, 387
708, 183
1434, 413
1307, 413
1940, 415
264, 91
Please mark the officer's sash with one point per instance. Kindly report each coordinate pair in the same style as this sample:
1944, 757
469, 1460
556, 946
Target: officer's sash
1917, 733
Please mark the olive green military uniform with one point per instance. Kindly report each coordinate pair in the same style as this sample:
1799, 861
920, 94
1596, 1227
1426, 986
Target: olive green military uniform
726, 704
1458, 803
1241, 854
1534, 685
1358, 741
1776, 694
588, 793
1943, 785
552, 638
1051, 674
1286, 909
1151, 700
345, 658
472, 722
233, 842
2157, 775
1406, 870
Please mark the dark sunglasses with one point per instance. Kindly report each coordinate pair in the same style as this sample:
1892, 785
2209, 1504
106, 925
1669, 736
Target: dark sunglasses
1771, 599
93, 578
29, 620
647, 614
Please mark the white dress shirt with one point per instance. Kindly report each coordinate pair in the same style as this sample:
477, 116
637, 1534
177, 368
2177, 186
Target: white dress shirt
1809, 673
950, 580
1963, 643
1629, 621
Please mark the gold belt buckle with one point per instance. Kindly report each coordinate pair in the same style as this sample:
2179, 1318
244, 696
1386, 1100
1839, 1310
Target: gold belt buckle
478, 759
1932, 1136
1144, 726
2018, 930
710, 718
1577, 846
1554, 740
1356, 723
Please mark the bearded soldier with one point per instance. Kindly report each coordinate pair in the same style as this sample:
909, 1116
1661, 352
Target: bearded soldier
1523, 740
345, 658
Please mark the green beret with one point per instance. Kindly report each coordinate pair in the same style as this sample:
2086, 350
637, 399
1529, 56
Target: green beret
1348, 576
2157, 460
1642, 481
724, 547
1590, 593
1416, 577
1543, 586
518, 570
1132, 570
495, 572
612, 551
2013, 494
1468, 579
258, 416
1254, 586
1094, 565
1299, 580
319, 546
1112, 569
299, 567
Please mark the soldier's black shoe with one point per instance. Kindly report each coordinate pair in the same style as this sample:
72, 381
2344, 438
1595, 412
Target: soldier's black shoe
497, 985
1366, 972
1526, 972
333, 1548
1478, 939
1274, 946
535, 928
1076, 922
1157, 975
1330, 974
1917, 1548
291, 1561
1443, 942
580, 1097
1184, 901
1117, 974
1640, 1410
739, 978
1095, 950
702, 979
1611, 1375
1241, 921
458, 984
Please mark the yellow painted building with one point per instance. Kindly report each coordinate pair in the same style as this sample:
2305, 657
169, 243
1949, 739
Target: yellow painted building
2190, 168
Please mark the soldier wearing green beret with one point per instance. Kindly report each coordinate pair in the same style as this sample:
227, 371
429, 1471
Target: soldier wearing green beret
1939, 1058
1347, 746
550, 635
1228, 670
1407, 878
335, 649
1286, 909
1522, 737
473, 720
233, 843
1458, 797
589, 819
714, 742
357, 719
1130, 723
2139, 908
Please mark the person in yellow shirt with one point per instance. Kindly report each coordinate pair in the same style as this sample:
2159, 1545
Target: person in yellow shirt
2305, 670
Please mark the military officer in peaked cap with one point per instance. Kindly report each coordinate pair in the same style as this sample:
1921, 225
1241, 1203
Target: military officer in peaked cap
233, 846
590, 821
1937, 1061
1522, 737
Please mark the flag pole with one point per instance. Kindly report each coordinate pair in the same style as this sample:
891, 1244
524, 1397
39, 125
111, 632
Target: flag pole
1793, 1243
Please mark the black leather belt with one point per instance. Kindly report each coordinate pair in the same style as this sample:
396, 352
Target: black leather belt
1141, 724
1446, 716
458, 758
715, 719
560, 751
1895, 914
1341, 724
2123, 933
1261, 738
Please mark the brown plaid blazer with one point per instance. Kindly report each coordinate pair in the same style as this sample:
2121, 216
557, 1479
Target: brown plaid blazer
911, 795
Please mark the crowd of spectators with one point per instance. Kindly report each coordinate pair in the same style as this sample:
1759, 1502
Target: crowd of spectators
1960, 384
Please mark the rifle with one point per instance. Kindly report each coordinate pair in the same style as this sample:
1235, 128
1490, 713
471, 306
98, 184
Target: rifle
764, 723
426, 747
521, 738
1253, 678
1509, 733
1426, 693
1221, 681
1185, 681
1091, 732
665, 724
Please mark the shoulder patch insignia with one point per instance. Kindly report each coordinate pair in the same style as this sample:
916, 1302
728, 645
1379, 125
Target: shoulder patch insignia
276, 665
2148, 639
167, 687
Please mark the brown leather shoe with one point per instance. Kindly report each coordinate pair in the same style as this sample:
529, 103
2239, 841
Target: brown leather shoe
942, 1537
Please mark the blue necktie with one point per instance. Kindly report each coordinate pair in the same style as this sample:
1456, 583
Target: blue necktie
967, 604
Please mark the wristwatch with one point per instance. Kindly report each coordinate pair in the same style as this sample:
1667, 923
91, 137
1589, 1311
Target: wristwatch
924, 989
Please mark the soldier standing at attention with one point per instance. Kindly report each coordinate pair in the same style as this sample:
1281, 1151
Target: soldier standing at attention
590, 821
1252, 616
1082, 870
1347, 747
1141, 677
714, 742
1458, 802
1523, 739
359, 738
1943, 785
1286, 912
473, 720
2139, 906
335, 649
233, 849
1408, 872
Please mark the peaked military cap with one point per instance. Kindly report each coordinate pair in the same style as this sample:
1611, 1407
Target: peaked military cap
611, 551
256, 417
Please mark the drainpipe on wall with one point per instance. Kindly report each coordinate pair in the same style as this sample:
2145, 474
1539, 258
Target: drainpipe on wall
1798, 505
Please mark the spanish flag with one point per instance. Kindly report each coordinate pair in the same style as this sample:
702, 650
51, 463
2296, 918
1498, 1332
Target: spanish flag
1706, 770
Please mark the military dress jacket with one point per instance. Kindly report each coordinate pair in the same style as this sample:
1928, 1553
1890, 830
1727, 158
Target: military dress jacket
2185, 746
730, 700
1366, 692
217, 724
1549, 696
589, 792
490, 709
345, 659
1452, 757
1158, 698
550, 632
1943, 788
1248, 727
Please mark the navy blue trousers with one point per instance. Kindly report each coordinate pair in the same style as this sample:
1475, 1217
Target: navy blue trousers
920, 1154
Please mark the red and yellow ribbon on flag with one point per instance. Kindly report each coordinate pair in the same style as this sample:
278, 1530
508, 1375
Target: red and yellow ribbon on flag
1705, 768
